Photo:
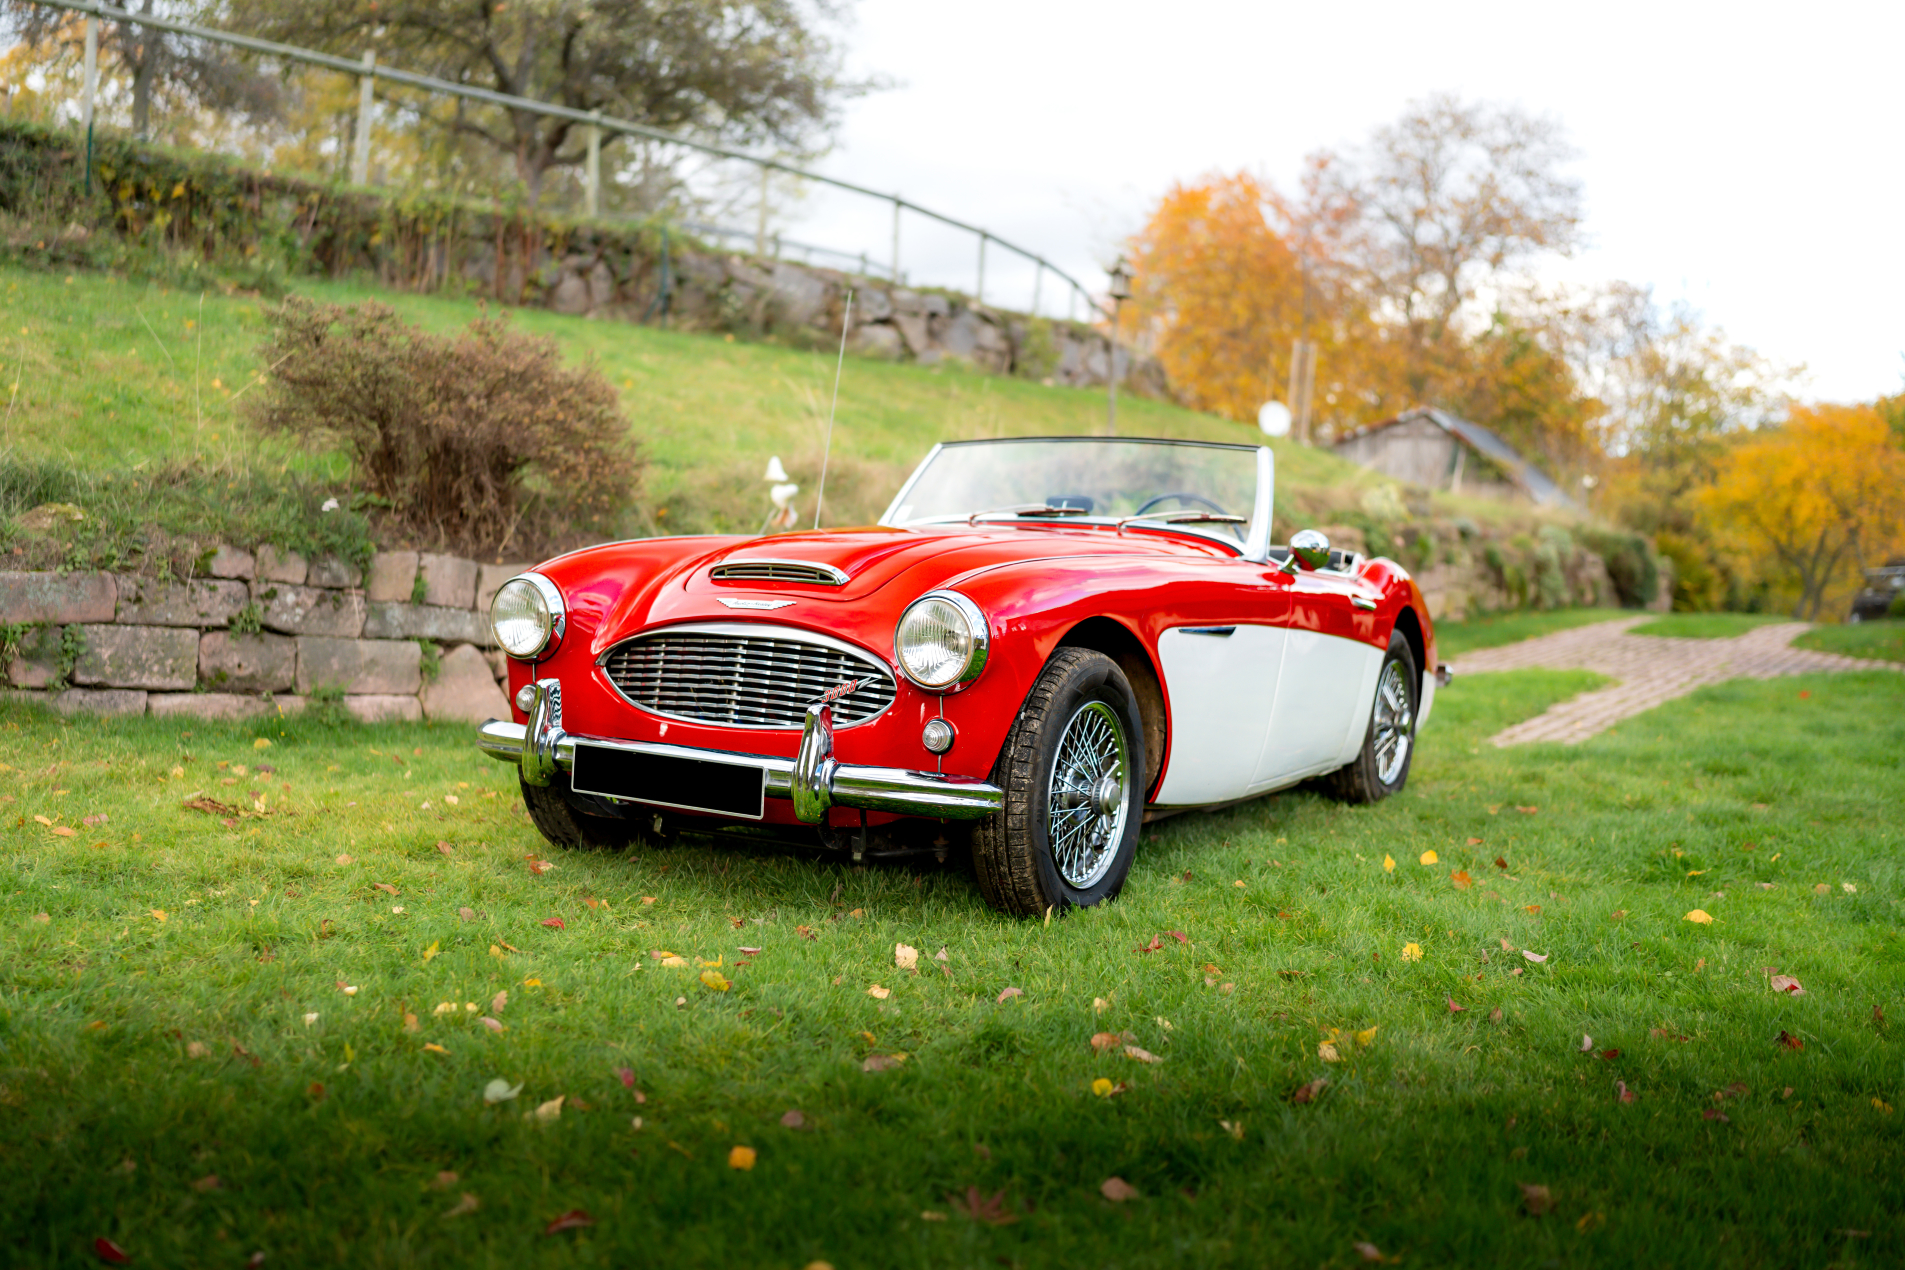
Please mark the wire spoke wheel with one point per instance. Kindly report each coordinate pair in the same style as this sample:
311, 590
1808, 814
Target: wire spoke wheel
1394, 722
1087, 794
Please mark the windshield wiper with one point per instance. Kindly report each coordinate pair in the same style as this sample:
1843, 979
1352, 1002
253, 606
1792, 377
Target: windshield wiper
1027, 509
1189, 518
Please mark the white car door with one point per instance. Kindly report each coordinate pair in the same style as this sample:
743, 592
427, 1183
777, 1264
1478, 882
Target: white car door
1326, 683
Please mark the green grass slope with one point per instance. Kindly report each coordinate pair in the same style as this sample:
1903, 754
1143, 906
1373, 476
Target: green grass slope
113, 374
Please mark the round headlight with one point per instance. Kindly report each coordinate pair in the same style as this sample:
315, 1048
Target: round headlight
941, 641
526, 615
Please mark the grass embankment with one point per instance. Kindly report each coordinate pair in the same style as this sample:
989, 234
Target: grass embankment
1881, 641
116, 374
185, 1073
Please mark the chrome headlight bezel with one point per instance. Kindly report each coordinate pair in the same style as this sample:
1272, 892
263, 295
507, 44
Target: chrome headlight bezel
977, 638
546, 610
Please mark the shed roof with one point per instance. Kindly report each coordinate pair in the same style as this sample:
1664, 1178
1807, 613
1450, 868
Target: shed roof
1532, 480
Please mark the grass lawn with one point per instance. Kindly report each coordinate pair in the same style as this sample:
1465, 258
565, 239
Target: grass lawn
1707, 625
115, 373
1882, 641
1455, 638
183, 1071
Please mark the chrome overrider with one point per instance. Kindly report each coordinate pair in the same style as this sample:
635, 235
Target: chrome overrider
813, 778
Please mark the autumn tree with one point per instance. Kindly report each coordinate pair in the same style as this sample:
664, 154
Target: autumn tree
742, 71
1811, 500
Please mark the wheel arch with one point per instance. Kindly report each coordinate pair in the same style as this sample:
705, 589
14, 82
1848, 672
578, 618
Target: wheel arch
1118, 642
1410, 627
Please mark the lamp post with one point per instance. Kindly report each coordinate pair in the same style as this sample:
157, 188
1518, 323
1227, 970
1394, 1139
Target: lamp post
1119, 290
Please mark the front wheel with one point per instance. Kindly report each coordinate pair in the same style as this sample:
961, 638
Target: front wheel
1072, 770
1382, 766
553, 810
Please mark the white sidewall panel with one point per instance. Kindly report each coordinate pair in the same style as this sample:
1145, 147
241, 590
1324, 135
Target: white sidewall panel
1322, 706
1222, 691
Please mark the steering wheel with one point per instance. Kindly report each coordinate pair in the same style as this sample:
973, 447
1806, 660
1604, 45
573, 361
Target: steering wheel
1185, 497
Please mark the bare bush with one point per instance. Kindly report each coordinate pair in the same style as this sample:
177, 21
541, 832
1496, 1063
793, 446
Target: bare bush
476, 441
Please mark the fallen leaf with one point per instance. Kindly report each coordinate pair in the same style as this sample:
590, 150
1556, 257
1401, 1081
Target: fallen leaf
1117, 1190
882, 1062
749, 952
1627, 1095
1500, 863
793, 1120
551, 1110
444, 1181
110, 1253
1790, 1041
1527, 811
741, 1158
410, 1023
1008, 993
1535, 957
857, 913
1787, 984
464, 1207
1535, 1199
1369, 1252
1309, 1092
494, 1025
1178, 935
431, 951
446, 848
993, 1210
344, 859
1102, 1087
1714, 1113
1142, 1055
881, 993
434, 1048
932, 1214
1327, 1052
1495, 1015
574, 1219
158, 915
467, 914
715, 979
1105, 1042
1461, 879
1412, 952
1532, 908
385, 887
1699, 915
1388, 863
42, 918
1848, 888
539, 867
1155, 944
197, 1049
91, 821
1428, 857
1367, 1036
1608, 1056
1456, 1009
554, 923
208, 1183
1617, 914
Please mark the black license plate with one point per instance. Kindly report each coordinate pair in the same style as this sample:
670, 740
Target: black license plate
667, 780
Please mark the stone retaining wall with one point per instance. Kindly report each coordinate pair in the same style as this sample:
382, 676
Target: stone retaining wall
261, 634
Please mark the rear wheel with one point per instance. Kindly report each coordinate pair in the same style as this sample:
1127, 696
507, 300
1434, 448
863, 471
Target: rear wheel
1381, 768
1072, 770
553, 809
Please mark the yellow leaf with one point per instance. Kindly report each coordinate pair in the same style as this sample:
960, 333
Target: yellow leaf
1429, 857
1327, 1053
714, 979
1412, 952
1694, 873
905, 956
715, 962
158, 914
878, 992
1102, 1087
434, 1048
1701, 916
494, 951
552, 1109
433, 950
741, 1158
532, 983
43, 820
261, 744
1885, 1108
1388, 863
1367, 1036
674, 961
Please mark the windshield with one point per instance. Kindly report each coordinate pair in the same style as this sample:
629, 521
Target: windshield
1203, 488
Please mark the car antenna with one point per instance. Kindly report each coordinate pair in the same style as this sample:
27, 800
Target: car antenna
821, 494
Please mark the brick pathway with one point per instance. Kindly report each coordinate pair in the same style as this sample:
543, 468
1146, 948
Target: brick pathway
1648, 668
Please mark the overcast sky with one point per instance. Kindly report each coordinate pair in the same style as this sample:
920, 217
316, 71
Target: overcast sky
1744, 157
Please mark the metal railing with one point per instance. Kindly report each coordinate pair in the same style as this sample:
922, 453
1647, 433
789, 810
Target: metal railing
368, 71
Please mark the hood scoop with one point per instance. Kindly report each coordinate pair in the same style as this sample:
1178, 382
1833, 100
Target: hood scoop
762, 569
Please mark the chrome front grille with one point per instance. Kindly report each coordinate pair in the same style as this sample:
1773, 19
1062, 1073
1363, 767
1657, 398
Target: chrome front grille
745, 680
778, 571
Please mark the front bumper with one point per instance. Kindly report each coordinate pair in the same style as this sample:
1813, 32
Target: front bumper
813, 779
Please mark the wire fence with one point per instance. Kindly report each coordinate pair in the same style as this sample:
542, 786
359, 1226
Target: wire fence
368, 71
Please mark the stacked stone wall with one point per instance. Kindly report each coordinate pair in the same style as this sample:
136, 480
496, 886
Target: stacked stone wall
262, 633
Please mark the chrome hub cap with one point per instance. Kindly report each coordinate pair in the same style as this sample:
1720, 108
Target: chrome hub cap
1394, 723
1088, 795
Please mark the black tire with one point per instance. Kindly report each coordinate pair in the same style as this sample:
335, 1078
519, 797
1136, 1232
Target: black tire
1012, 850
1362, 781
554, 810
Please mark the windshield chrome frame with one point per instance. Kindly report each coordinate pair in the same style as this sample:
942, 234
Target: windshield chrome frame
1255, 549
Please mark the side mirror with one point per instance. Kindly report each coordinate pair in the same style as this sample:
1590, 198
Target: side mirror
1312, 548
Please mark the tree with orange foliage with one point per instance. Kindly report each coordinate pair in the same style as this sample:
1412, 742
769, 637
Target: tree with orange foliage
1811, 499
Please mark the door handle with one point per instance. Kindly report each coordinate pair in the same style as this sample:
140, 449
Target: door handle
1363, 602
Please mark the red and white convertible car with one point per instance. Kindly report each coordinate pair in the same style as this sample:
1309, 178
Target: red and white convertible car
1042, 644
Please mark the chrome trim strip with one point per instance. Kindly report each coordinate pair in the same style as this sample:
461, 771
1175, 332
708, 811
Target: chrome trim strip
1257, 546
1221, 632
749, 630
893, 789
838, 577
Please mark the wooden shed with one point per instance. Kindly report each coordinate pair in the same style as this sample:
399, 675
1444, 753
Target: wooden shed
1438, 450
